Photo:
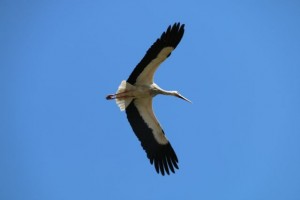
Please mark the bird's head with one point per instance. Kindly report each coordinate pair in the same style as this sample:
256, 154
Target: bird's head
177, 94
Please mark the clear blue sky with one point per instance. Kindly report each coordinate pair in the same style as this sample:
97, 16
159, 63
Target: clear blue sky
239, 62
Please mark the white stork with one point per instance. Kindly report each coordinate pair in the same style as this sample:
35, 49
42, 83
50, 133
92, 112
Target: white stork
135, 96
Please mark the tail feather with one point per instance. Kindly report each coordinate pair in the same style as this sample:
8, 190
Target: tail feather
124, 102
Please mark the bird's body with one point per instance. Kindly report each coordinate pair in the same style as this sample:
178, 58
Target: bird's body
135, 96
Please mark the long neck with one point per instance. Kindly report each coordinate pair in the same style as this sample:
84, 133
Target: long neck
159, 90
166, 92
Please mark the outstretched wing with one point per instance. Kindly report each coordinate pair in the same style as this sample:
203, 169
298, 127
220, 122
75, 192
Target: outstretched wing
156, 54
146, 127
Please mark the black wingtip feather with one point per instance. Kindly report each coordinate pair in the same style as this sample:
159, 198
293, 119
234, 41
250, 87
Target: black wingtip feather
161, 166
170, 164
166, 165
165, 160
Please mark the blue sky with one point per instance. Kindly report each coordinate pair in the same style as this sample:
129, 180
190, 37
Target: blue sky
238, 62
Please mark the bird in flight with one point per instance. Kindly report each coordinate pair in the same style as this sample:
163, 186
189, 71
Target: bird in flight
135, 97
